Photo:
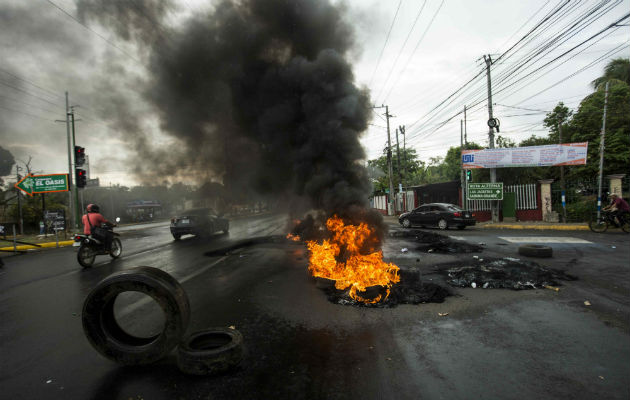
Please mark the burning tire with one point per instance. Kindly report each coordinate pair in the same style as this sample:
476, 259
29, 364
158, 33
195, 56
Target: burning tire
108, 338
210, 351
535, 250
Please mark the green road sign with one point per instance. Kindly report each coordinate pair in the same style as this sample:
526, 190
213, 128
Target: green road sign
34, 184
485, 191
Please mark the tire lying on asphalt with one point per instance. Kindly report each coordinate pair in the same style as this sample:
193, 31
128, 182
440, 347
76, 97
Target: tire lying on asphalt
535, 250
108, 338
210, 351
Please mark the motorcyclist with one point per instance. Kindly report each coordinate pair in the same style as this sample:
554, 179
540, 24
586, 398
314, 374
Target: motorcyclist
93, 219
618, 206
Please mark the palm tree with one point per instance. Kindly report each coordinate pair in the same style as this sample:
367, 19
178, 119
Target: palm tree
618, 68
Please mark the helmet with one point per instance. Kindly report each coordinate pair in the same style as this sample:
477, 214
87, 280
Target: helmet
92, 208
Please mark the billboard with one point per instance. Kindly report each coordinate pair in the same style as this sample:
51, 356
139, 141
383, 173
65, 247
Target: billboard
531, 156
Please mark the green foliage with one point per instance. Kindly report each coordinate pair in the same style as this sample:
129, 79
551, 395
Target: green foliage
6, 163
411, 169
504, 142
618, 69
558, 119
586, 125
581, 210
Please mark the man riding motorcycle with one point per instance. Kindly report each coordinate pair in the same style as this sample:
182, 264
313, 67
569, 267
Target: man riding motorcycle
93, 219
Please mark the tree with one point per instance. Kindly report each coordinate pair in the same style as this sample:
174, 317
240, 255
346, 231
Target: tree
559, 116
6, 163
617, 69
411, 169
504, 142
586, 125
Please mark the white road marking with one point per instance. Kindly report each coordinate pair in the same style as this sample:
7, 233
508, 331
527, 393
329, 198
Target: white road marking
145, 300
542, 239
457, 237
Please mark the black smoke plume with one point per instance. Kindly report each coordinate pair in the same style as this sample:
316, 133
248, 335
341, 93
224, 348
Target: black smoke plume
260, 92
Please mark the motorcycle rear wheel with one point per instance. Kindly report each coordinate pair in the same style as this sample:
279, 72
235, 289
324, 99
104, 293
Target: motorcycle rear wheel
86, 256
116, 249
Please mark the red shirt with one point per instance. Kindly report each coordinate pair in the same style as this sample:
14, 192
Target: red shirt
621, 204
96, 219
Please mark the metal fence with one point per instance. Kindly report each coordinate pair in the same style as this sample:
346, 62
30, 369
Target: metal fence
525, 198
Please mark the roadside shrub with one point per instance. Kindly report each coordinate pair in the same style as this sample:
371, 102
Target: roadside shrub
582, 209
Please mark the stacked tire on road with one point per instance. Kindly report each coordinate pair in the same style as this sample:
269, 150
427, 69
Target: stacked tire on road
210, 351
201, 353
535, 250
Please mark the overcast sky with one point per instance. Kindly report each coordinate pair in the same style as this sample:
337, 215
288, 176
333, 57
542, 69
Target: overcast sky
434, 47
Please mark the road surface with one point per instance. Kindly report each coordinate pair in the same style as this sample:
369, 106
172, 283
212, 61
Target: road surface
492, 344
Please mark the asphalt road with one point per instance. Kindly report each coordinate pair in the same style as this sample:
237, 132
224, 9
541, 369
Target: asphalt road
493, 343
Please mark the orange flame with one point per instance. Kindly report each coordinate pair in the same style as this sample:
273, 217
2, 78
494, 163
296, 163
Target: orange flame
295, 238
358, 271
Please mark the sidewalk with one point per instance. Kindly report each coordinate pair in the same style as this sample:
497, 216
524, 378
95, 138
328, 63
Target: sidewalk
538, 225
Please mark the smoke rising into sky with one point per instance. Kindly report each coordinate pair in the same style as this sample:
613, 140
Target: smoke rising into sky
257, 93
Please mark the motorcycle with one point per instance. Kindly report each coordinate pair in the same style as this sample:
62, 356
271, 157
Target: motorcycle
90, 247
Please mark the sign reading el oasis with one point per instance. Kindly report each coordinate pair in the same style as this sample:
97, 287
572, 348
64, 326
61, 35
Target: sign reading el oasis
35, 184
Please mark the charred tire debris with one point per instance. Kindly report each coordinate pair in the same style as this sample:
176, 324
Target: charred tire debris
410, 290
113, 342
502, 273
430, 242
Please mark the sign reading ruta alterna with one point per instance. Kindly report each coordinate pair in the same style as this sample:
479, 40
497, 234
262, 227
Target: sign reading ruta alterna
531, 156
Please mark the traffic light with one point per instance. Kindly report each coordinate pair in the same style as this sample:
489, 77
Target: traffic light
81, 177
469, 175
79, 156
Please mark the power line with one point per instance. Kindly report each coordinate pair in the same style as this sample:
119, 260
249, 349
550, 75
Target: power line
93, 31
414, 51
30, 94
385, 44
30, 115
401, 49
33, 84
593, 63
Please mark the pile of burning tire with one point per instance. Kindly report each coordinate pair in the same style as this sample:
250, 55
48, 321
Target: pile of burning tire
205, 352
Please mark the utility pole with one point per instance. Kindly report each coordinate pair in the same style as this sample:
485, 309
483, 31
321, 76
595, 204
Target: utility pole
562, 188
19, 199
401, 128
72, 221
465, 129
398, 158
601, 157
461, 160
493, 171
392, 203
77, 210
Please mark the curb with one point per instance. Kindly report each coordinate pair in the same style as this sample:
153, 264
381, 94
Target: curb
538, 227
62, 243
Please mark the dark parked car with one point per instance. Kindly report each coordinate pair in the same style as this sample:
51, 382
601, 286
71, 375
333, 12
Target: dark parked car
441, 215
200, 222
